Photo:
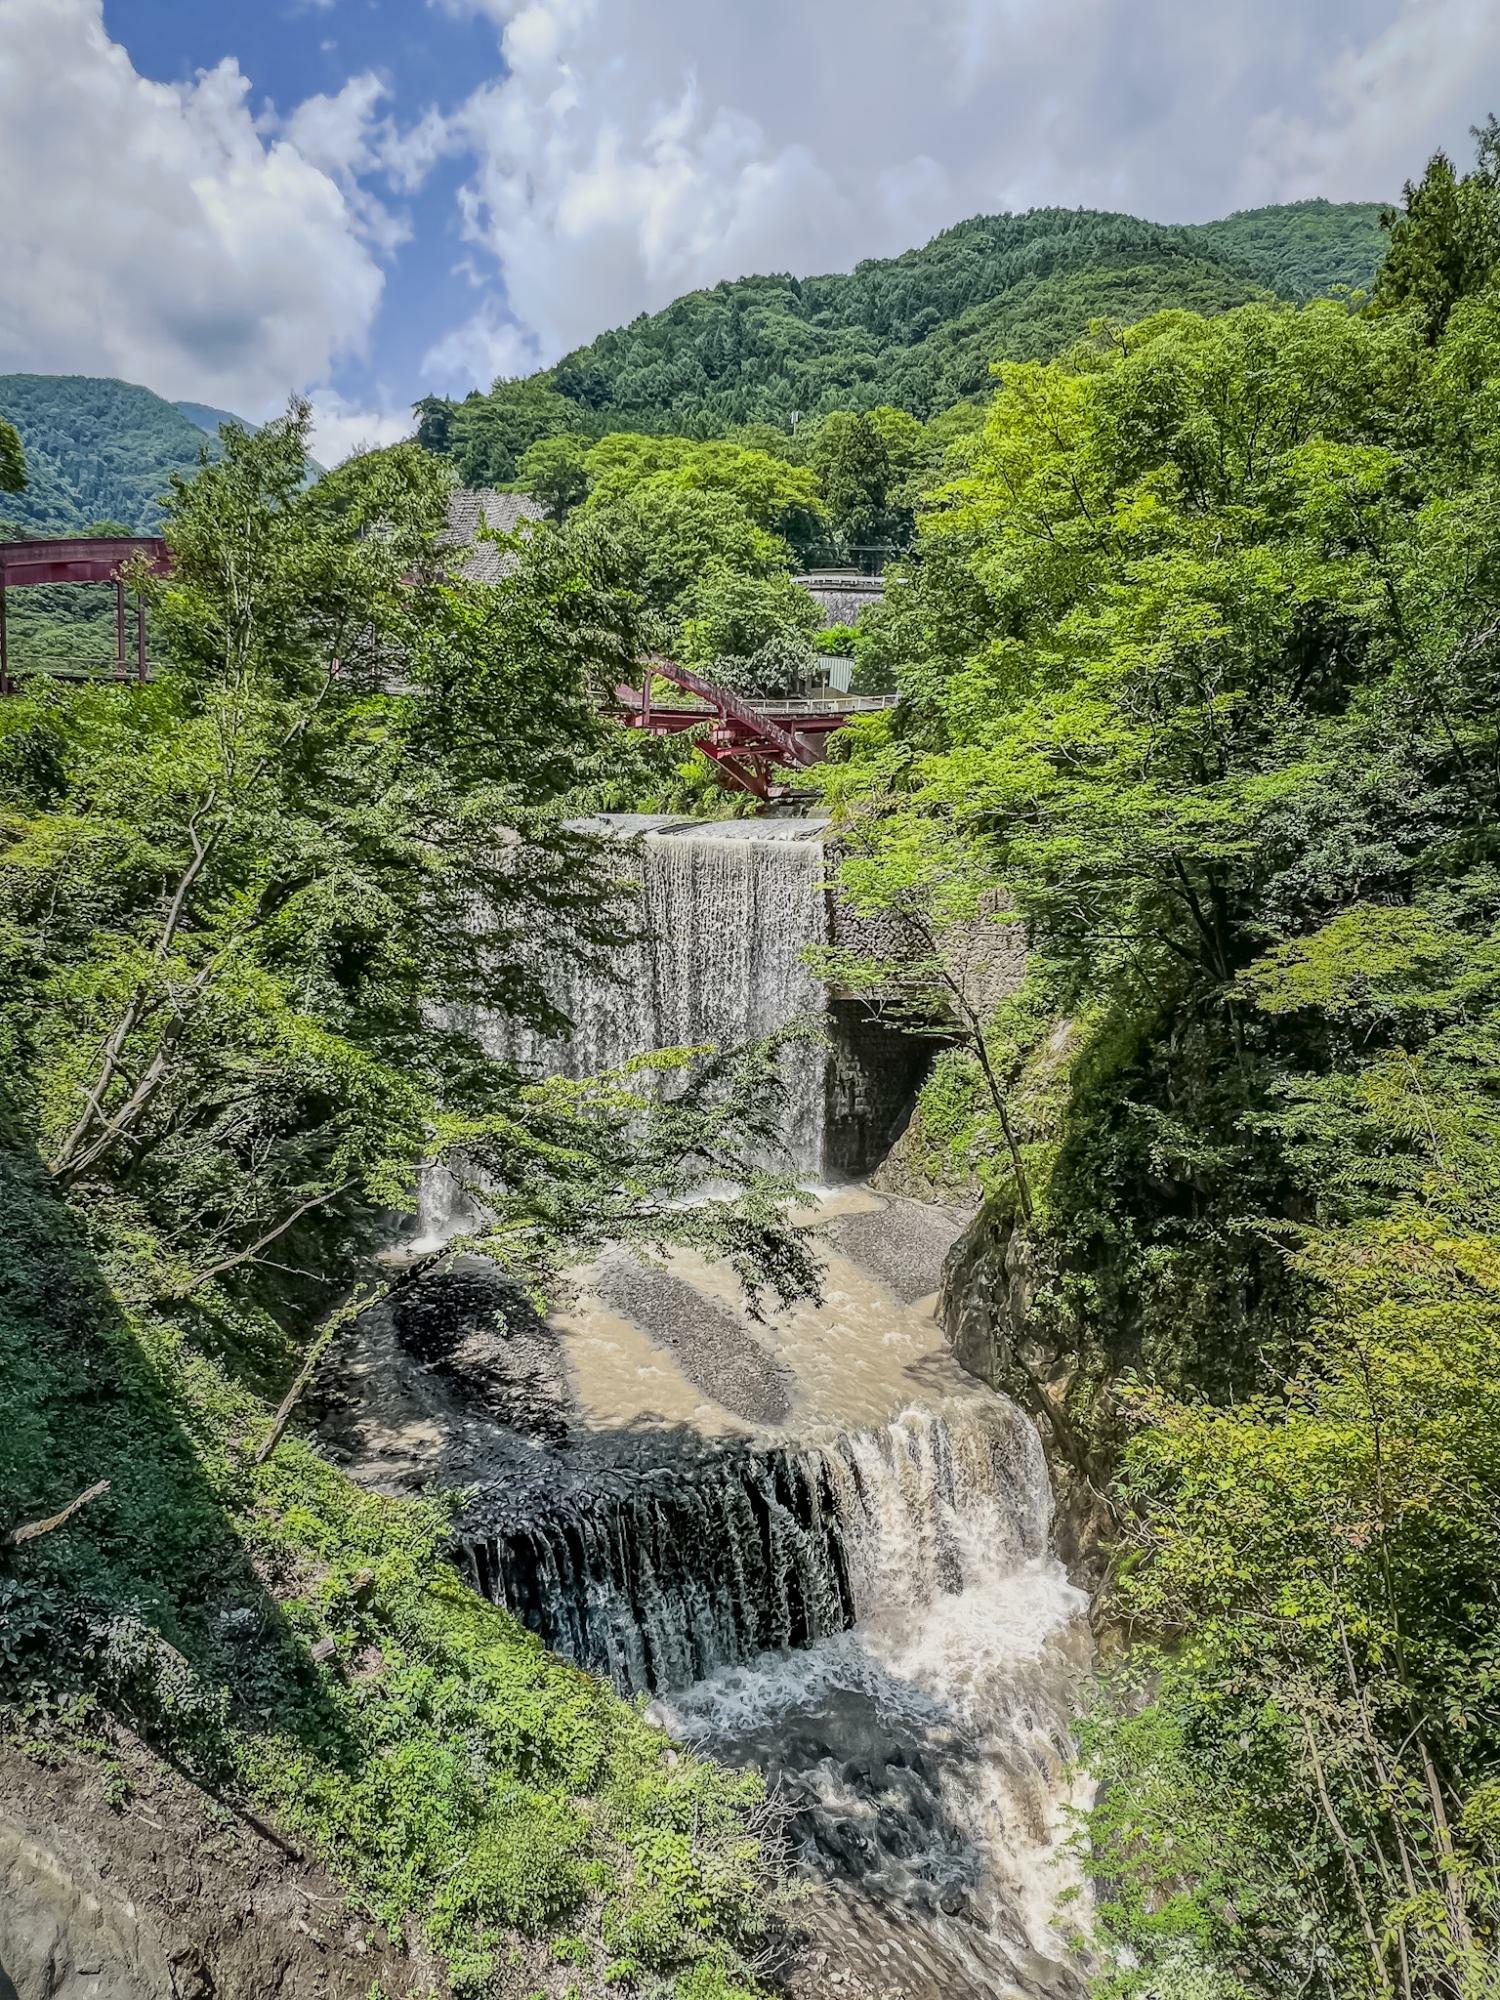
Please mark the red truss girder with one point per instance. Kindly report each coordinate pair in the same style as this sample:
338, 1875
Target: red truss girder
746, 745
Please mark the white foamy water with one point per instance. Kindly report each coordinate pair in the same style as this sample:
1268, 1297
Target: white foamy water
877, 1625
923, 1753
924, 1758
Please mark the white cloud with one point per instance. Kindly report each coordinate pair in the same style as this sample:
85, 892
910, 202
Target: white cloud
153, 231
625, 151
345, 136
1382, 106
340, 427
633, 149
482, 347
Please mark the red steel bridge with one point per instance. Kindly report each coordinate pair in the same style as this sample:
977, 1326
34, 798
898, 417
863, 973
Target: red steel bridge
81, 560
754, 742
749, 738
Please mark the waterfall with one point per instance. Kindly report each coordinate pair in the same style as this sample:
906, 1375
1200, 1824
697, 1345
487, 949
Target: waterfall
694, 1569
875, 1624
755, 1529
722, 910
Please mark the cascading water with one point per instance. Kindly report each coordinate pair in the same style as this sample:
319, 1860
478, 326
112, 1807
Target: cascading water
814, 1546
722, 912
875, 1623
697, 1569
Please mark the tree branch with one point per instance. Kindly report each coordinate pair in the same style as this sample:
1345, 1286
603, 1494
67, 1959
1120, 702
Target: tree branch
32, 1529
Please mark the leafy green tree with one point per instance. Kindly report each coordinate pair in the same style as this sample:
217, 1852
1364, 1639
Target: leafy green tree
854, 469
250, 914
555, 471
1445, 238
229, 919
1199, 670
750, 633
12, 460
487, 436
777, 495
902, 436
672, 535
434, 415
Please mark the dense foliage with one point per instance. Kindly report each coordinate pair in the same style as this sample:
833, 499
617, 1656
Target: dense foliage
920, 331
233, 904
12, 460
96, 450
1301, 250
1200, 673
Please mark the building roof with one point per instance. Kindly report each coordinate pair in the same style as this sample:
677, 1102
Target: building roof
471, 508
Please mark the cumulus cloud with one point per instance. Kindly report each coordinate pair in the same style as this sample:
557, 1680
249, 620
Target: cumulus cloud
346, 135
483, 347
154, 231
340, 427
1381, 106
624, 151
629, 150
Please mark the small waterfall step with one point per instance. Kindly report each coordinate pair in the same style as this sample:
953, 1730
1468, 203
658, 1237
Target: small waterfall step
684, 1573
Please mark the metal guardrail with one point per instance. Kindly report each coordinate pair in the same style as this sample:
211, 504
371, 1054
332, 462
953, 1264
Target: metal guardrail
852, 704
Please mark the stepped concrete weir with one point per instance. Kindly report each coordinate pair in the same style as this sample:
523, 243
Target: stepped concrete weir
811, 1542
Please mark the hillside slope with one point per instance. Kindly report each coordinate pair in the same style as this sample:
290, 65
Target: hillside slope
1300, 249
921, 331
96, 450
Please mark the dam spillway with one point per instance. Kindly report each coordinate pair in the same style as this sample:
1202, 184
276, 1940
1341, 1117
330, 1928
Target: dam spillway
716, 924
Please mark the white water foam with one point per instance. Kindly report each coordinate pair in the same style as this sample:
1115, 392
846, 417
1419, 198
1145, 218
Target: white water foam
924, 1753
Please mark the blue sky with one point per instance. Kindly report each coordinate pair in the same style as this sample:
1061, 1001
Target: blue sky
291, 51
367, 200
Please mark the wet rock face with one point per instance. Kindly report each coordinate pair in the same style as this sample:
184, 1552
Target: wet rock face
987, 1307
485, 1337
989, 1283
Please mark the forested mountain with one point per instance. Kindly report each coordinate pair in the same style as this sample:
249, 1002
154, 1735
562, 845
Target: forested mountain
1300, 249
207, 418
919, 331
96, 450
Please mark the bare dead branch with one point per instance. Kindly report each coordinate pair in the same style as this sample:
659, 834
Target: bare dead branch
32, 1529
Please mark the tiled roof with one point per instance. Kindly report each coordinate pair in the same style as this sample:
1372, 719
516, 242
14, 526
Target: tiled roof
472, 507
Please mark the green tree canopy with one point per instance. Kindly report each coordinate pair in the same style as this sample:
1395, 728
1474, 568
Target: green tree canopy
1201, 681
554, 470
1445, 238
750, 633
12, 460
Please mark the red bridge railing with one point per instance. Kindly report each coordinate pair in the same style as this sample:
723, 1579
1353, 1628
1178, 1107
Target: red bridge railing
82, 559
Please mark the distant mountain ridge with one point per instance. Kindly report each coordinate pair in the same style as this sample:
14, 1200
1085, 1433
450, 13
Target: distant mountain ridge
96, 449
920, 331
207, 418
